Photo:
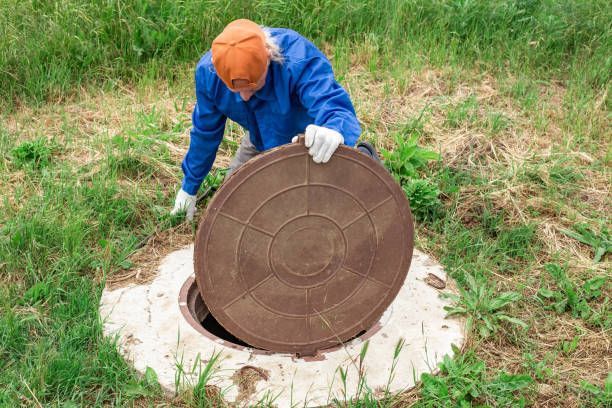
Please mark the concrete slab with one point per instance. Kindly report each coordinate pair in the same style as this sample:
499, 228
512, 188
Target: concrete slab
152, 332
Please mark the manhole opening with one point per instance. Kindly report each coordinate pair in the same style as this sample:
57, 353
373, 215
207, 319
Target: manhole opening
197, 315
211, 325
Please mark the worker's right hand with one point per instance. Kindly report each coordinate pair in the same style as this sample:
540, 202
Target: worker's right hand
321, 142
184, 202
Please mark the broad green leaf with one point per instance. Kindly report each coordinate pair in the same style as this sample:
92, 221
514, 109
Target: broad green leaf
503, 300
513, 320
547, 293
151, 377
599, 253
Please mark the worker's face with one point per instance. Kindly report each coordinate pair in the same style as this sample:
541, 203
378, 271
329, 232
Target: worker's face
245, 91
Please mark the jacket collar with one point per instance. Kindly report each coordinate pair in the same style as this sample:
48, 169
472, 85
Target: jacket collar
267, 92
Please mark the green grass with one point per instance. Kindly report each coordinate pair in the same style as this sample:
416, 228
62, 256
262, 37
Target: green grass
510, 188
47, 48
64, 231
463, 113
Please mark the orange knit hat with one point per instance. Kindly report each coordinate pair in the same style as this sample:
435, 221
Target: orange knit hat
239, 52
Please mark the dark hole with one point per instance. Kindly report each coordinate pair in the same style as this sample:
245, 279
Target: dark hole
200, 313
361, 333
213, 327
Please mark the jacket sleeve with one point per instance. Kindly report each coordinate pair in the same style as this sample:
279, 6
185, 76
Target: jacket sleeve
326, 101
205, 136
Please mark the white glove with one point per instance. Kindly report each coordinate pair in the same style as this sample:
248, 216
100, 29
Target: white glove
322, 142
184, 202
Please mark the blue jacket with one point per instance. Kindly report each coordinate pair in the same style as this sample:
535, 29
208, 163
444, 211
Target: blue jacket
300, 91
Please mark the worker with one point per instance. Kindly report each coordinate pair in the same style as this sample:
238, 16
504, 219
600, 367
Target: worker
275, 84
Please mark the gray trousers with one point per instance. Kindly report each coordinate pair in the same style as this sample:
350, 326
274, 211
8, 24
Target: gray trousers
246, 151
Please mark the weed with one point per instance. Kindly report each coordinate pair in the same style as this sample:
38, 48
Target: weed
462, 382
365, 396
34, 154
568, 347
572, 298
600, 396
601, 243
267, 400
407, 159
483, 307
451, 179
399, 346
148, 386
423, 196
538, 367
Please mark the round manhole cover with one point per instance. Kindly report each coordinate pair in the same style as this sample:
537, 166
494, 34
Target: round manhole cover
294, 256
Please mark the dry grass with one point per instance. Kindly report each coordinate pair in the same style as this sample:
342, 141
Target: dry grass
147, 259
499, 158
85, 123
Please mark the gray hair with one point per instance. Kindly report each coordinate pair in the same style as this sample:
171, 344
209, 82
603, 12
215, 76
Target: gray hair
275, 51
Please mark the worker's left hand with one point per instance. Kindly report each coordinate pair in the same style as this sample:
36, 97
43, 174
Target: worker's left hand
185, 202
322, 142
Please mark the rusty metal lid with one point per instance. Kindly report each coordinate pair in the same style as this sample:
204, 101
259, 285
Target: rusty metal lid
293, 256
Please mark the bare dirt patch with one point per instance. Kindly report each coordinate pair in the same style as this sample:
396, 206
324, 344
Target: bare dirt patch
246, 379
